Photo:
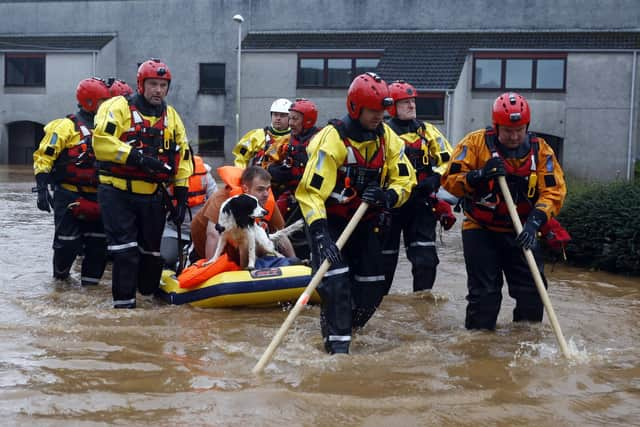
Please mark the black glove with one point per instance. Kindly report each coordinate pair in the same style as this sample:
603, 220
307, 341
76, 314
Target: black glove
429, 184
322, 241
378, 196
45, 201
280, 173
527, 238
493, 168
180, 194
147, 163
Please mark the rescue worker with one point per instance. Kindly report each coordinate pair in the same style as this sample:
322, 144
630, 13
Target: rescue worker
65, 159
491, 248
286, 173
141, 144
265, 145
119, 87
426, 149
253, 180
358, 158
201, 188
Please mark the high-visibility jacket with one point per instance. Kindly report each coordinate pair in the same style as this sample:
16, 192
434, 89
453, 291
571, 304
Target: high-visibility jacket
426, 147
330, 154
114, 119
260, 147
65, 153
535, 179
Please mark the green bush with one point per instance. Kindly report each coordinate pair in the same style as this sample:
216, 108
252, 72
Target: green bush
603, 222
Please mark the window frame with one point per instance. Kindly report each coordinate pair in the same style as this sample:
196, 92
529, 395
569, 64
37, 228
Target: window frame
326, 56
8, 56
533, 56
212, 90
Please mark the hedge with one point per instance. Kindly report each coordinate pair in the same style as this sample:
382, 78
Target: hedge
604, 225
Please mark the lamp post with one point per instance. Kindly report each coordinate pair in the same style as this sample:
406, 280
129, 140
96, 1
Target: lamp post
239, 19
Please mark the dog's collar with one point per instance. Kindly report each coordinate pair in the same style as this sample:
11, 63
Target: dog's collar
220, 229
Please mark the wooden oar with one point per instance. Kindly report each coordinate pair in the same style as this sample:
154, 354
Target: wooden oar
304, 298
535, 272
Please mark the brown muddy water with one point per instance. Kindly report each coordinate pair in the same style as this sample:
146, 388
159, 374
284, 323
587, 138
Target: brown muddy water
68, 358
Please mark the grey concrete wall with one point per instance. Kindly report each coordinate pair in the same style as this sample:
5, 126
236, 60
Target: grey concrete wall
449, 15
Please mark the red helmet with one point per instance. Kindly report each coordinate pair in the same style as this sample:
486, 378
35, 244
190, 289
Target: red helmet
90, 91
400, 90
510, 109
308, 110
152, 69
367, 90
119, 87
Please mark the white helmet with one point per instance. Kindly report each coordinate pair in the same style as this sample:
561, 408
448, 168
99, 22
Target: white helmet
280, 105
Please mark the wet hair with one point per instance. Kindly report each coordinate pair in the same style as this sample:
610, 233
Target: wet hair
252, 172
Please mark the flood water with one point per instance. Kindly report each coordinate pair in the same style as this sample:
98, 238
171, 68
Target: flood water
68, 358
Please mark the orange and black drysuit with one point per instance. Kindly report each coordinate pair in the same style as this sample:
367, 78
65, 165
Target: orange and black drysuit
427, 149
260, 147
344, 159
537, 185
129, 191
65, 159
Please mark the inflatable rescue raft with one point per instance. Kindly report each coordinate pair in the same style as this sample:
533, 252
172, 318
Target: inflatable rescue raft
267, 286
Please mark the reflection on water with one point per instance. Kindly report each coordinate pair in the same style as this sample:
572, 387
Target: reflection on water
66, 357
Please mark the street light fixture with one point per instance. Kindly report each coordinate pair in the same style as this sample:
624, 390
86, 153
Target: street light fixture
239, 19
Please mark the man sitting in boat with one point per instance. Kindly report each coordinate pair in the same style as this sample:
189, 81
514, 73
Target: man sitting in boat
255, 181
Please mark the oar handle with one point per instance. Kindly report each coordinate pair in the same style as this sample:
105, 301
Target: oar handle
535, 272
304, 298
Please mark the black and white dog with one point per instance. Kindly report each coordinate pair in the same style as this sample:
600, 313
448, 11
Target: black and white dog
237, 223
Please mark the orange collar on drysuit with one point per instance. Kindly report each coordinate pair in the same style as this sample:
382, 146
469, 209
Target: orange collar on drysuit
231, 177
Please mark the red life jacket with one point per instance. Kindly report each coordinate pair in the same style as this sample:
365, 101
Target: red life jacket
77, 165
197, 183
354, 175
297, 157
487, 206
150, 141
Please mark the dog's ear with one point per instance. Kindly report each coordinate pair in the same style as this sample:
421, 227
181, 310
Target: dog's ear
242, 209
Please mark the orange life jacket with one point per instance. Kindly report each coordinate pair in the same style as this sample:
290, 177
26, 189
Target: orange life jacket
487, 206
197, 183
201, 271
151, 141
77, 165
231, 176
354, 175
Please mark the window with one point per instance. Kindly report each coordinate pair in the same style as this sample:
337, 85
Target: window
212, 79
211, 140
541, 72
24, 69
316, 70
430, 106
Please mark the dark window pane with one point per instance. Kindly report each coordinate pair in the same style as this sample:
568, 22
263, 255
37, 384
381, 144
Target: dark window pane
430, 108
519, 74
488, 73
366, 64
24, 70
339, 72
550, 74
212, 78
211, 140
311, 73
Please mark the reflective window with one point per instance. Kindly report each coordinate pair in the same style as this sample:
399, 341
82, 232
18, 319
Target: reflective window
518, 74
431, 107
339, 72
211, 140
488, 73
311, 72
365, 64
550, 74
